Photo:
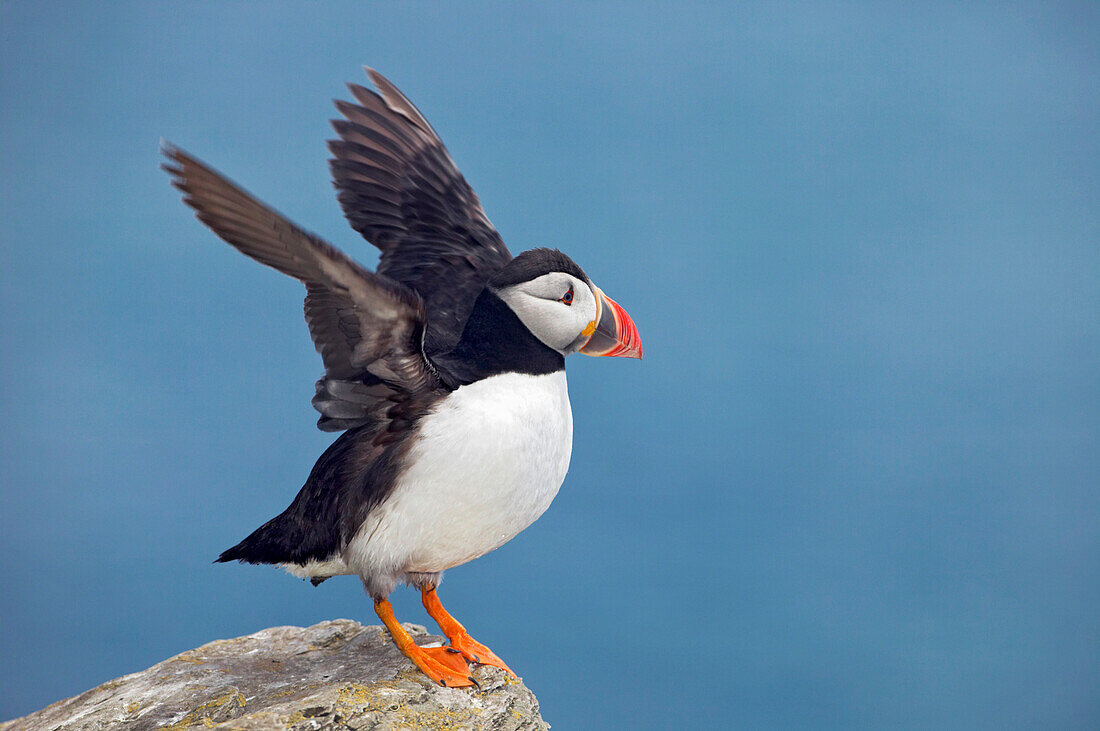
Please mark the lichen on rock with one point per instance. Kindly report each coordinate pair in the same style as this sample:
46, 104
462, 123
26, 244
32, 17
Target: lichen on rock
333, 675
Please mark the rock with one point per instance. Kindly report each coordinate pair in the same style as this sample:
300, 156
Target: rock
333, 675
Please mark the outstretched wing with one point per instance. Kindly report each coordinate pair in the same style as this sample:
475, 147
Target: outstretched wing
401, 190
368, 329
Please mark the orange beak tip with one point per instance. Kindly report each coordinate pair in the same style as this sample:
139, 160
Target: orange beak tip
615, 334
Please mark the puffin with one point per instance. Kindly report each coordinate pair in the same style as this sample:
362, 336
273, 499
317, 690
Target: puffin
444, 369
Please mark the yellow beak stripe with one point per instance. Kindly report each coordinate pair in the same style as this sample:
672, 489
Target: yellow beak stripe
591, 327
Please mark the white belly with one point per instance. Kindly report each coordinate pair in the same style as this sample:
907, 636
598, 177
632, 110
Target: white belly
486, 464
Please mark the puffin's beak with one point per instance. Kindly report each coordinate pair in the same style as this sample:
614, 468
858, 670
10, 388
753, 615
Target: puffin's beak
612, 333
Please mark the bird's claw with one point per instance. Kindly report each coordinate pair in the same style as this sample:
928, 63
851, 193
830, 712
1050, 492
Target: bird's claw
443, 667
475, 652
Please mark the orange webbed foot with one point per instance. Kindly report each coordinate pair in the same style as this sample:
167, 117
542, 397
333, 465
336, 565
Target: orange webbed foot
441, 665
476, 652
461, 642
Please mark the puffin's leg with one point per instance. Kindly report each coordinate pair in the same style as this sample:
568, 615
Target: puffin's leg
438, 663
461, 641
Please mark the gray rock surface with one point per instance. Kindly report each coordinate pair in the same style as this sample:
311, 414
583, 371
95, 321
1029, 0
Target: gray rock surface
333, 675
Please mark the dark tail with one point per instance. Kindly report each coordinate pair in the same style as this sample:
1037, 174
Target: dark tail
273, 542
310, 528
285, 539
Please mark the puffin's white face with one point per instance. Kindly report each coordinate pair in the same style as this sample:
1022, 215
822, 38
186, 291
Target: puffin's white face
558, 308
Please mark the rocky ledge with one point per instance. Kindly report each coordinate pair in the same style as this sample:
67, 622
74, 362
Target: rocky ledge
333, 675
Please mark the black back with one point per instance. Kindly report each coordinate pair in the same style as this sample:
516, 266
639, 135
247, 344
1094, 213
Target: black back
495, 341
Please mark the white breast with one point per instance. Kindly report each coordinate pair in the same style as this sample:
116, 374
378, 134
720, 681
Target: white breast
486, 464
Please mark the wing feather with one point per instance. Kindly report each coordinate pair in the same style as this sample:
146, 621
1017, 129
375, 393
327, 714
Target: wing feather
401, 190
368, 328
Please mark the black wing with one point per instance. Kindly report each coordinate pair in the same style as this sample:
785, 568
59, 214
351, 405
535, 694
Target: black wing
368, 329
401, 190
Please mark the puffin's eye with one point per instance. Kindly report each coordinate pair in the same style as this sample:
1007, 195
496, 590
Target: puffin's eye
567, 298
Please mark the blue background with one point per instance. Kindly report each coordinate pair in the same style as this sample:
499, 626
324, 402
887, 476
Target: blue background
852, 484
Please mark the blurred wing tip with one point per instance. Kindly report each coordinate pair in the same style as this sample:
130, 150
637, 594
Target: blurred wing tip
179, 160
173, 152
348, 109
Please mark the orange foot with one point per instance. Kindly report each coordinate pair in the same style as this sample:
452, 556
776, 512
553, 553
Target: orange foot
461, 642
440, 664
474, 651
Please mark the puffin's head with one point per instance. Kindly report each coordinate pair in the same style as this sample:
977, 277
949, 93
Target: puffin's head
558, 303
